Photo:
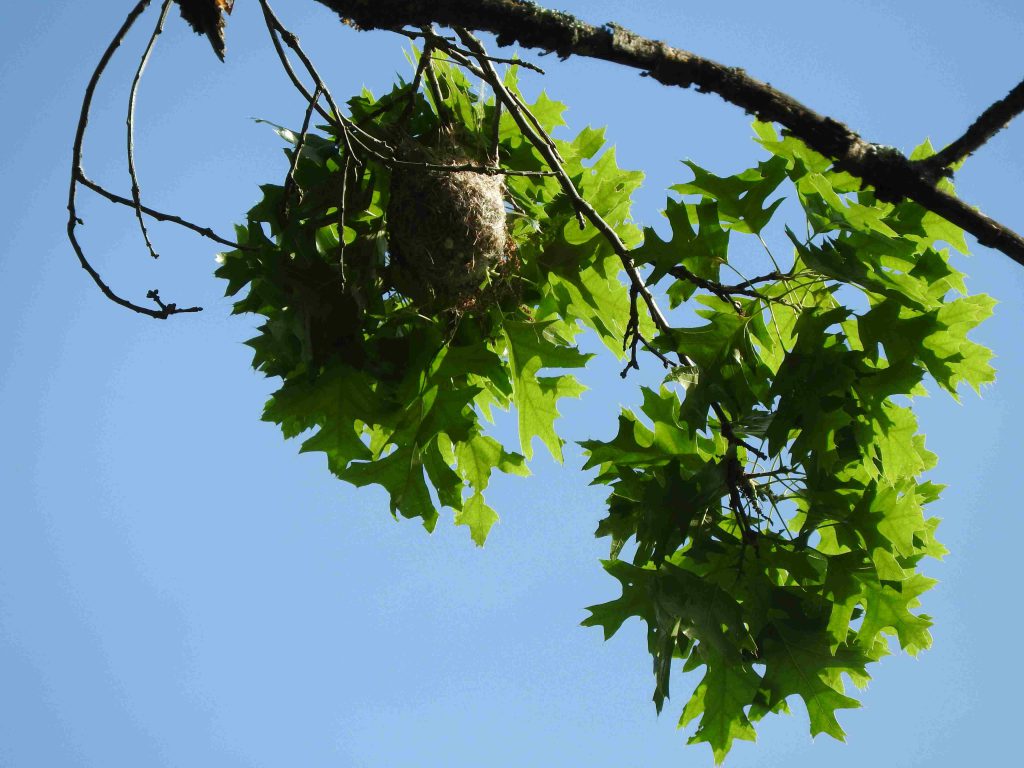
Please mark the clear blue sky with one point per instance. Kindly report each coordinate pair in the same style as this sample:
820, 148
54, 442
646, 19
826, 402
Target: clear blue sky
179, 587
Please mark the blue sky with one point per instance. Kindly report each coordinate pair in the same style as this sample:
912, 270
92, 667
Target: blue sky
179, 587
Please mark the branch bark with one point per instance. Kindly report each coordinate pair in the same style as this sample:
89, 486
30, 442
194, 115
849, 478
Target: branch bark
891, 173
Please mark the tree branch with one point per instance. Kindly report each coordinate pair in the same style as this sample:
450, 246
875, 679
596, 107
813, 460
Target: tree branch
989, 123
130, 125
99, 189
638, 287
891, 173
163, 310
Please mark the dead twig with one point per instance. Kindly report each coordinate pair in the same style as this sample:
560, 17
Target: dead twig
289, 180
171, 218
163, 310
130, 125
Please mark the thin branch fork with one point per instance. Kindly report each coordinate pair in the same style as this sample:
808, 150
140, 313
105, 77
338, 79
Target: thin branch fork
431, 37
353, 134
434, 87
728, 292
164, 310
890, 172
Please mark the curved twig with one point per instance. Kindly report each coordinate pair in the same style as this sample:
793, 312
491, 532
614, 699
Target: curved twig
171, 218
77, 173
300, 143
130, 125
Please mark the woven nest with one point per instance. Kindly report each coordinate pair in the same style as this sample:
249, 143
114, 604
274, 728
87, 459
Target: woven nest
446, 229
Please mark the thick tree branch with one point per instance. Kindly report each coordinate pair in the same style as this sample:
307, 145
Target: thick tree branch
516, 21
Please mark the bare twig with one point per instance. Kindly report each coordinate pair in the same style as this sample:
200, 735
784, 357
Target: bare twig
583, 208
515, 61
342, 213
415, 86
349, 131
163, 311
734, 481
272, 26
443, 113
728, 292
277, 31
130, 125
289, 180
462, 58
352, 134
682, 273
777, 275
631, 337
536, 124
448, 44
495, 147
484, 170
207, 232
988, 124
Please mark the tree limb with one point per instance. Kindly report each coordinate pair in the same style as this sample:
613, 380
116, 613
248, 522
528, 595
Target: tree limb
891, 173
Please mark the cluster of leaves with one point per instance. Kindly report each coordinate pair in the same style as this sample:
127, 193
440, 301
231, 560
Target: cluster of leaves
777, 549
769, 492
396, 390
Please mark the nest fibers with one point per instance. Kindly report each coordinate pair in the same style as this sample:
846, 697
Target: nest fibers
446, 229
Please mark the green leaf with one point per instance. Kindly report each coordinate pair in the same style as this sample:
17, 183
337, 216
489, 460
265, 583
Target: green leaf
702, 251
720, 700
536, 398
741, 197
949, 355
635, 600
802, 664
888, 607
479, 455
478, 517
401, 474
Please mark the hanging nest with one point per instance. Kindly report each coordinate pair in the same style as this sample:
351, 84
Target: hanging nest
446, 229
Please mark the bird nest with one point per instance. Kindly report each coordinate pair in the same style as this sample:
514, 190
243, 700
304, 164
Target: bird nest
446, 229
